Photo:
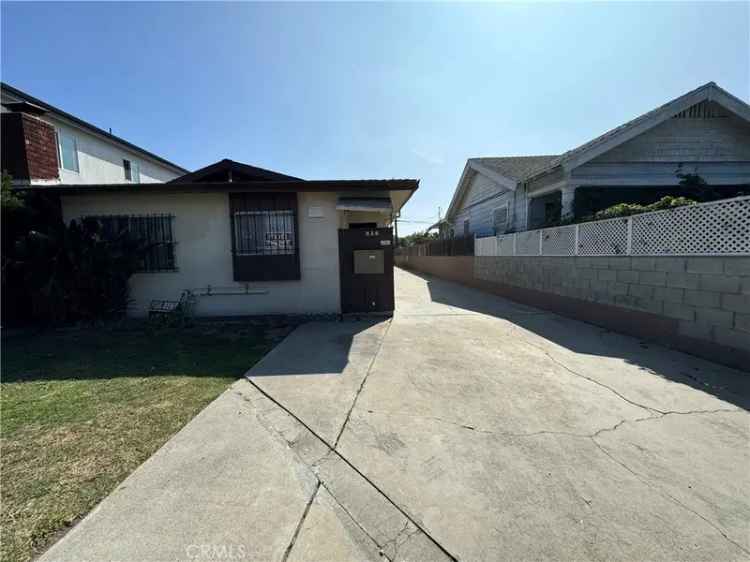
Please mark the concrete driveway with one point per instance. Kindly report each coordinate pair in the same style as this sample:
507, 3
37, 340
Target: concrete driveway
466, 428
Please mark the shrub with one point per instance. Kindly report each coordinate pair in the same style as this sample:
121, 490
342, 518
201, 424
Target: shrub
54, 273
628, 209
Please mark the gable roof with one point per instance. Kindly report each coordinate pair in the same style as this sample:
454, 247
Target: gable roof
229, 170
32, 101
505, 171
622, 133
509, 171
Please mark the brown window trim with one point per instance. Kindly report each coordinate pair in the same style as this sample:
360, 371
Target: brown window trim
265, 265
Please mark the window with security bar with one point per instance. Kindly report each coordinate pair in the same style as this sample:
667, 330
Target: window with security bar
155, 230
264, 232
265, 241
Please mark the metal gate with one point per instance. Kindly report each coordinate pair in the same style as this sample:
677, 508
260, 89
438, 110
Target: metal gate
366, 269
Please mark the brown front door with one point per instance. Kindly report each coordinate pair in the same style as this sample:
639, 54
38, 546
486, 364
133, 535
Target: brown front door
366, 269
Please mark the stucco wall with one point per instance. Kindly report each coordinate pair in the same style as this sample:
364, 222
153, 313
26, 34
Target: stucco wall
203, 254
100, 160
698, 304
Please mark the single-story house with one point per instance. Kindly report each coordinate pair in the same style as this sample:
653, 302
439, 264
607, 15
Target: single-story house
705, 133
249, 241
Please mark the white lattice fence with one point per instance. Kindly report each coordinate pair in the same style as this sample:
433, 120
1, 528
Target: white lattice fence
505, 245
527, 243
721, 227
716, 228
485, 246
603, 238
560, 241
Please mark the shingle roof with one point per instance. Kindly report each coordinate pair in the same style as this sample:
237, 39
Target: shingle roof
516, 167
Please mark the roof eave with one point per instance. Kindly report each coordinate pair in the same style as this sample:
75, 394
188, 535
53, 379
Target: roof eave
708, 92
59, 113
410, 185
504, 181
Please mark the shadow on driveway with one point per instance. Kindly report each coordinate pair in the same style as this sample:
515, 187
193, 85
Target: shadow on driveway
723, 382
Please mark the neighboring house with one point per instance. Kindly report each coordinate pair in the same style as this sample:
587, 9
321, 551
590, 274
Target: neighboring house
704, 132
45, 145
249, 241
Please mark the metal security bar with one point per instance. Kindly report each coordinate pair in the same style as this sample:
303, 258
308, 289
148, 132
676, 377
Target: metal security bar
264, 232
706, 229
265, 237
155, 230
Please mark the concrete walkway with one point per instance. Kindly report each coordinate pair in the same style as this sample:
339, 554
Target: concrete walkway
466, 428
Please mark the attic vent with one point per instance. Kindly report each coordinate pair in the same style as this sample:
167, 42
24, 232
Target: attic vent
702, 110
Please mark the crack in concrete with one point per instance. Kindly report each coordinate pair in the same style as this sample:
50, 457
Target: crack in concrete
593, 436
629, 401
332, 449
394, 541
659, 414
354, 520
668, 495
592, 380
362, 384
553, 432
297, 530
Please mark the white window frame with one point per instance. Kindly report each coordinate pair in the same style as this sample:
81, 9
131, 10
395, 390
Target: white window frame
60, 134
507, 218
135, 170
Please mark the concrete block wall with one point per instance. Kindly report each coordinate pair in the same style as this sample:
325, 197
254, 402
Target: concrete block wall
709, 297
697, 304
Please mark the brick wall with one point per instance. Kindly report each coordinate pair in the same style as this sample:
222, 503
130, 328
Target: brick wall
41, 148
697, 304
29, 147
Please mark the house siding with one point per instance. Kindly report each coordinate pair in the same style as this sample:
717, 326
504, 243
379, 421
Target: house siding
482, 197
720, 139
202, 233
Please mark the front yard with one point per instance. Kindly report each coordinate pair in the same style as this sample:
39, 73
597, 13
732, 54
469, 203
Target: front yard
81, 410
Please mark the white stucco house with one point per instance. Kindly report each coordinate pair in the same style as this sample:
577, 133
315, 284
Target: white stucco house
704, 132
241, 240
46, 145
249, 241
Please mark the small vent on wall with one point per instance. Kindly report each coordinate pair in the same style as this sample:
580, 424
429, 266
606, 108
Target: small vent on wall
703, 110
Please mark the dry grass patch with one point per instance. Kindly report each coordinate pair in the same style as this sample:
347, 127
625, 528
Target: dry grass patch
81, 410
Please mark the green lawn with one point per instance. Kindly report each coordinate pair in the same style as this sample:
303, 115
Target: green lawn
82, 409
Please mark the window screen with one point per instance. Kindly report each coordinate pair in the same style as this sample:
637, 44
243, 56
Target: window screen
265, 242
156, 230
467, 228
68, 148
500, 219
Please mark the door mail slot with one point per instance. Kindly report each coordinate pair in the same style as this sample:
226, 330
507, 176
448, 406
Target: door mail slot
369, 262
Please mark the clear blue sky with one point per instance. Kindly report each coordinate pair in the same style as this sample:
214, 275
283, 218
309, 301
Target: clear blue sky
369, 90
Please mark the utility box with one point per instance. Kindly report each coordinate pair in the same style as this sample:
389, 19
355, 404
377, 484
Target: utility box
369, 262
